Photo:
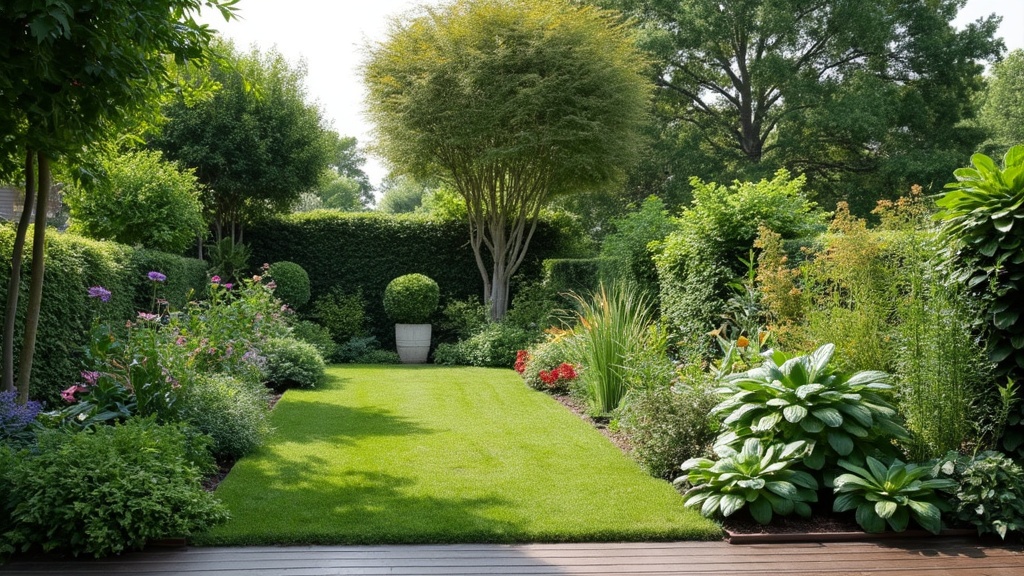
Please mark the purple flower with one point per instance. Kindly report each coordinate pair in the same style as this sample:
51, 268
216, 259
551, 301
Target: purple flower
228, 286
90, 377
15, 417
156, 276
99, 292
148, 316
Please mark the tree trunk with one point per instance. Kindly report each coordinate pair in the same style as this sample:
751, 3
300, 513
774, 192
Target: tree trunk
14, 282
35, 291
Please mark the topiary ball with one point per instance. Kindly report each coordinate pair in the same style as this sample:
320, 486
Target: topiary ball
411, 299
292, 283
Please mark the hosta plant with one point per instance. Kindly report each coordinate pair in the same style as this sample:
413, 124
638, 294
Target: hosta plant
891, 494
759, 476
801, 398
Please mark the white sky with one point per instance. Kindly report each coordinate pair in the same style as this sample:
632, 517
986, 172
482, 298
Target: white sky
329, 35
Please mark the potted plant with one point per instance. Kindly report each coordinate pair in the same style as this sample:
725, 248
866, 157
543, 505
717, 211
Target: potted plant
410, 300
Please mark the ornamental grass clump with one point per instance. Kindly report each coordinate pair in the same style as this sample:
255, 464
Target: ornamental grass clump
613, 327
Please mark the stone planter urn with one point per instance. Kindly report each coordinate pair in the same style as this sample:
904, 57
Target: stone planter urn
410, 300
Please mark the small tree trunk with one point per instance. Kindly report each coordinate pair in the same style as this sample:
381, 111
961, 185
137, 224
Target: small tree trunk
14, 282
35, 291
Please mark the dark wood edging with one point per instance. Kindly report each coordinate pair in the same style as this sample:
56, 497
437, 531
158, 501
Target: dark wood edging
740, 538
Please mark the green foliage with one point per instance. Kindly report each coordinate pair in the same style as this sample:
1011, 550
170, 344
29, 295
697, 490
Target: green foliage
495, 345
697, 262
629, 247
667, 424
803, 398
510, 103
317, 335
73, 265
613, 327
463, 318
228, 259
863, 96
256, 143
990, 491
342, 314
292, 363
411, 299
403, 195
233, 413
1002, 114
891, 494
140, 200
363, 252
579, 275
757, 476
546, 355
292, 283
980, 223
109, 489
534, 306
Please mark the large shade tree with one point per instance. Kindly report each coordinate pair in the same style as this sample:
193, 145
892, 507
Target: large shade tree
836, 89
71, 72
256, 144
509, 102
1002, 114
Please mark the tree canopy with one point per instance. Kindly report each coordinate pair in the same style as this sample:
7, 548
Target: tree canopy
256, 144
835, 89
71, 72
509, 102
1002, 113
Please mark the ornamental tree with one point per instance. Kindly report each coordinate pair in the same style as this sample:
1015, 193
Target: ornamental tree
70, 73
509, 103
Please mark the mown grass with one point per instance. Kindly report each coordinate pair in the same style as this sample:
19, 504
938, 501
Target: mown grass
423, 454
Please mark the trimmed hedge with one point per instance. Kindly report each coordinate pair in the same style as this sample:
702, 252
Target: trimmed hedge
579, 275
366, 251
73, 264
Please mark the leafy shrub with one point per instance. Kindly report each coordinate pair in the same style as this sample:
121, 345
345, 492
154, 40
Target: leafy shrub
228, 258
803, 398
612, 327
496, 345
342, 314
627, 250
756, 476
108, 489
579, 275
891, 494
990, 491
140, 200
377, 356
533, 307
233, 413
292, 283
667, 425
463, 318
543, 356
697, 261
317, 335
292, 363
981, 228
411, 299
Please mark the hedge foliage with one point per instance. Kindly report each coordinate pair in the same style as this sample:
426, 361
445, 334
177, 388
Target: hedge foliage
579, 275
73, 264
363, 252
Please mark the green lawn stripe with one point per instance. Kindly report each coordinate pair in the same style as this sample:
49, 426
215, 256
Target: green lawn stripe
424, 454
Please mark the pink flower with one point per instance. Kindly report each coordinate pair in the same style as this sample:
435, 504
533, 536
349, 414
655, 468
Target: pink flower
228, 286
148, 316
215, 279
68, 395
271, 284
266, 266
257, 278
90, 377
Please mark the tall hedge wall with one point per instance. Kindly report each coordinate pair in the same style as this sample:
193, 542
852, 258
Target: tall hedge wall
366, 251
73, 264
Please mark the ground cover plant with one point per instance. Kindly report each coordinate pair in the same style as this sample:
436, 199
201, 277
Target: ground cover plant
416, 454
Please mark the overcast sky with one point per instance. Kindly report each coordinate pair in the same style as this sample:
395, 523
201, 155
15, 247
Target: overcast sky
330, 34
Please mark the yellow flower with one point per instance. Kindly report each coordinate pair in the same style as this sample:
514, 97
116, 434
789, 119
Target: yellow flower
742, 342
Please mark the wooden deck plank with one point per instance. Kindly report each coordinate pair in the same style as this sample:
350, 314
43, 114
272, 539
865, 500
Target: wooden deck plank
929, 557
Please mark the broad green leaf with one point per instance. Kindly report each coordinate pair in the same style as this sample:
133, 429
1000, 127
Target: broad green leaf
840, 442
710, 505
868, 520
761, 511
784, 489
885, 508
766, 423
927, 515
730, 503
847, 501
830, 416
794, 413
751, 483
812, 425
900, 519
808, 389
816, 460
1014, 157
858, 412
867, 377
878, 470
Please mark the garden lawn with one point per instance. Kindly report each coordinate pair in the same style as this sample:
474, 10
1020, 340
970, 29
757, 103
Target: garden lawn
424, 454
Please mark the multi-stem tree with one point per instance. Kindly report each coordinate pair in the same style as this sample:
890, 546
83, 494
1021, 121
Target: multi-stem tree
509, 102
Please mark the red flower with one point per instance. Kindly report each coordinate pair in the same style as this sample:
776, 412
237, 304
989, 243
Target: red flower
548, 377
566, 371
522, 357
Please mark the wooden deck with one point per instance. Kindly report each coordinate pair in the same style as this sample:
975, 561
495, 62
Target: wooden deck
905, 558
